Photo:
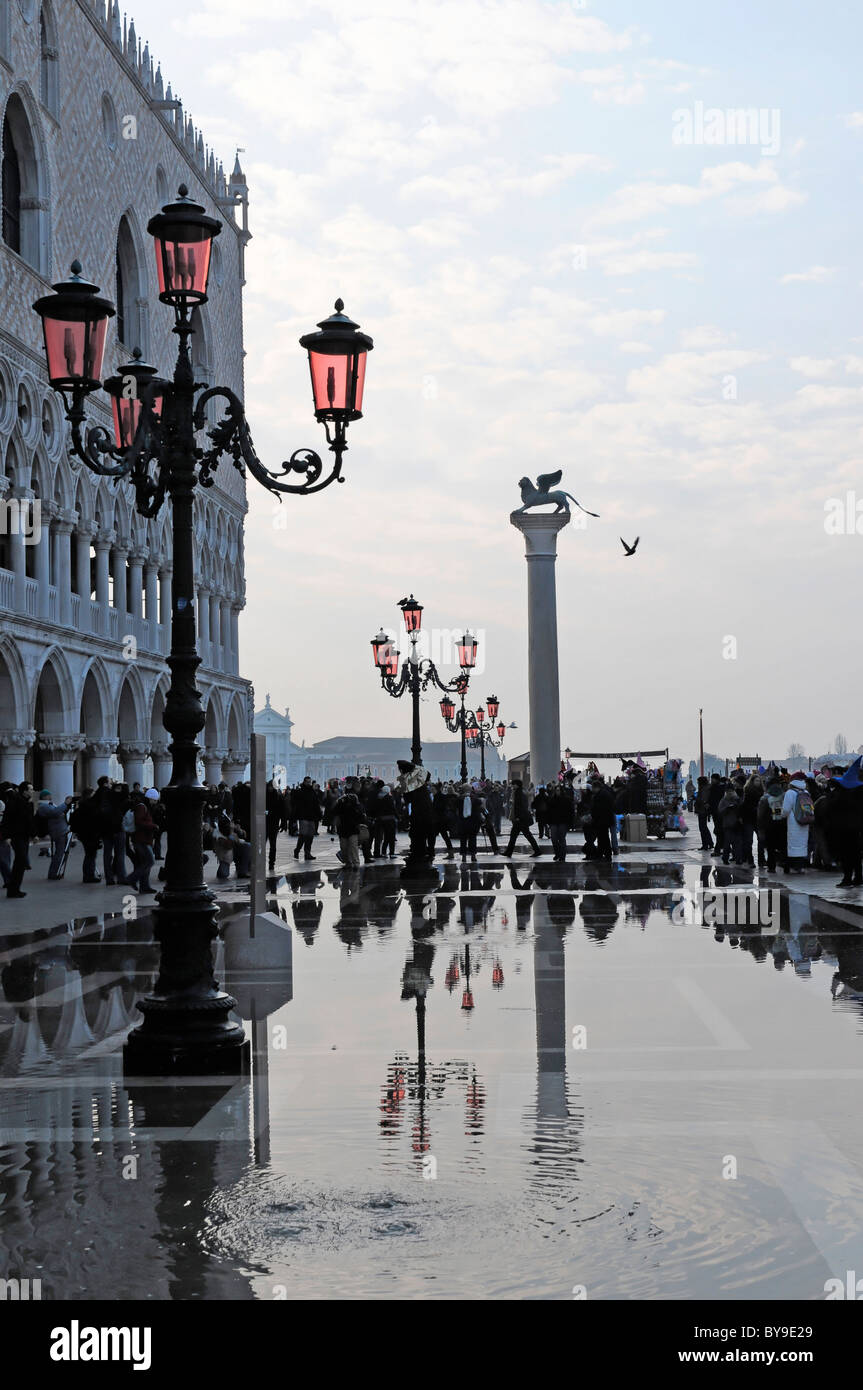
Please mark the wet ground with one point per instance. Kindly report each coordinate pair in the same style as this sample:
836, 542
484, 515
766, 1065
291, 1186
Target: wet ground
501, 1081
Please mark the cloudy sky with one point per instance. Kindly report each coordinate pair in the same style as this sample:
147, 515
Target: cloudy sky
566, 258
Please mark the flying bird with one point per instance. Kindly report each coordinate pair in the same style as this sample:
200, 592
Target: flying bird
630, 549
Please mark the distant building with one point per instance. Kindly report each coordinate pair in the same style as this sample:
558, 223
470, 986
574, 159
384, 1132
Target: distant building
378, 757
286, 763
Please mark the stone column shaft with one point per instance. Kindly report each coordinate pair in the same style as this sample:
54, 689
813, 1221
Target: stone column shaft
540, 546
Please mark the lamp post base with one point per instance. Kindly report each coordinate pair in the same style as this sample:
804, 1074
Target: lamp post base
196, 1038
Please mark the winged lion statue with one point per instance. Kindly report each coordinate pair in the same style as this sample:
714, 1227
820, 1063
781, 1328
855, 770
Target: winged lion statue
541, 494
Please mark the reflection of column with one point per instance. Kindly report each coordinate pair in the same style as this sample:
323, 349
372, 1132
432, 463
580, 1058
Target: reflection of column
549, 984
162, 764
540, 547
59, 752
99, 754
16, 745
132, 755
63, 575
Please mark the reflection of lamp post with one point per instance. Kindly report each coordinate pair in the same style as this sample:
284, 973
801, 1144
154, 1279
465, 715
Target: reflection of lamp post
460, 964
417, 674
186, 1027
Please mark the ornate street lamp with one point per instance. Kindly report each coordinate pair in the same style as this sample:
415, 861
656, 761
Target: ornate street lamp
418, 674
475, 728
186, 1027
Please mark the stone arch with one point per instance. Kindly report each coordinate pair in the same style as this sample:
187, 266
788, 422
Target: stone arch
131, 707
84, 498
158, 732
25, 187
95, 702
53, 698
237, 737
13, 687
49, 76
131, 288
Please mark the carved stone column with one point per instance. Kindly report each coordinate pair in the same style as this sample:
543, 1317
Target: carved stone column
132, 754
162, 763
43, 561
59, 752
213, 759
99, 754
121, 597
15, 744
233, 767
63, 575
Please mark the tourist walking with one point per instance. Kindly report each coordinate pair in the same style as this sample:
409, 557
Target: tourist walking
522, 820
702, 811
51, 823
306, 810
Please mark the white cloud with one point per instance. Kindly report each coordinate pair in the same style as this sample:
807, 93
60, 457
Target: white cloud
637, 201
622, 323
812, 366
815, 275
707, 335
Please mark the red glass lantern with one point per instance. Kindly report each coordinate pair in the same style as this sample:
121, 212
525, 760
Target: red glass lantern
183, 233
493, 704
134, 383
501, 729
74, 323
467, 652
467, 1000
447, 709
391, 664
412, 613
471, 734
381, 648
337, 362
480, 715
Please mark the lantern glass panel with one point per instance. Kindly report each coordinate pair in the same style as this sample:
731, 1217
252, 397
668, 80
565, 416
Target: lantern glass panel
333, 385
127, 413
75, 350
493, 707
501, 730
183, 263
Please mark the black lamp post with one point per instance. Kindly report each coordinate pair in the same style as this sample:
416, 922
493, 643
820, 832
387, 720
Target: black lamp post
186, 1027
474, 728
417, 674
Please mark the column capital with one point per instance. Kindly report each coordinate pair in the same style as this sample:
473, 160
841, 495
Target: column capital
65, 522
138, 553
214, 755
19, 739
48, 509
121, 542
62, 748
105, 539
135, 748
160, 751
102, 747
540, 531
85, 526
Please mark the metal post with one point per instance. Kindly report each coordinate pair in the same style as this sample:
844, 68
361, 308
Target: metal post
482, 754
463, 743
416, 745
701, 738
187, 1027
258, 817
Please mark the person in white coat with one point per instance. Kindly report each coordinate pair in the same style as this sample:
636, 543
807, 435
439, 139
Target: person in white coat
798, 835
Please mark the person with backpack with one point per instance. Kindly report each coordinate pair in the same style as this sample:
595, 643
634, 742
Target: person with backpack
798, 811
702, 811
143, 831
772, 835
729, 809
51, 822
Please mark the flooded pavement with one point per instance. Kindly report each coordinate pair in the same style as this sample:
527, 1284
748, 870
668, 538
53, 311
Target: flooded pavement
519, 1081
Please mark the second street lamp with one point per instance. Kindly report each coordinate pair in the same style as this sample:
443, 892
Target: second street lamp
417, 673
475, 729
186, 1027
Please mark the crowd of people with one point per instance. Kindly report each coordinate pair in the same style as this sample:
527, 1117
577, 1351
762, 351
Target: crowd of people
792, 820
769, 817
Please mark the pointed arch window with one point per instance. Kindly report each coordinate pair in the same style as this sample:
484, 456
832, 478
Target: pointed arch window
130, 295
24, 189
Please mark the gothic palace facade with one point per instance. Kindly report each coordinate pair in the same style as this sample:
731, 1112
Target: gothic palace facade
93, 143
